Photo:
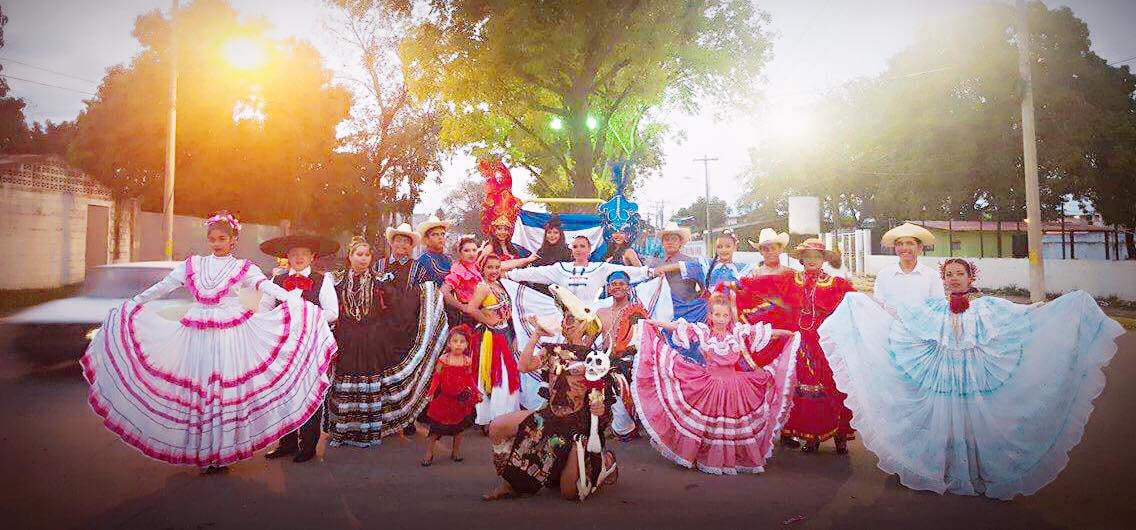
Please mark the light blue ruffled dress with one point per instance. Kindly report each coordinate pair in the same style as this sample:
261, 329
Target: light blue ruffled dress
986, 402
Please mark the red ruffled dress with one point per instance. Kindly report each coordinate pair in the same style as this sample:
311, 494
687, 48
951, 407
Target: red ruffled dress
454, 395
801, 301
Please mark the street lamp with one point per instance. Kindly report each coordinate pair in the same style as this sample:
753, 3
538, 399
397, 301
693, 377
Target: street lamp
242, 53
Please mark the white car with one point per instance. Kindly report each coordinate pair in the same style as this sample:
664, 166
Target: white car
60, 329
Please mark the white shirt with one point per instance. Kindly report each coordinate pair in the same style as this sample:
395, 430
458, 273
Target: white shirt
895, 288
584, 281
329, 302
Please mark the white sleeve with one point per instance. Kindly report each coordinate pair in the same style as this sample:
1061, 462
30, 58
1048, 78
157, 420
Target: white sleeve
547, 274
329, 302
173, 280
270, 293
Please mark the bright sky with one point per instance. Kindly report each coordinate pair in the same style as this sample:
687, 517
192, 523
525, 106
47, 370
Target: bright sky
819, 45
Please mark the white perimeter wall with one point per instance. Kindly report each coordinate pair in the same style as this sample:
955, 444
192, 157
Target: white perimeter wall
44, 237
1096, 277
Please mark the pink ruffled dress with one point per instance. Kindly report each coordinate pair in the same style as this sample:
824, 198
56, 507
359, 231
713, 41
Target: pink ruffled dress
218, 384
714, 417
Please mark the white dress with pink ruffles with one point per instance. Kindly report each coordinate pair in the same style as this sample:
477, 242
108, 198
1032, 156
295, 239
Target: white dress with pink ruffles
218, 384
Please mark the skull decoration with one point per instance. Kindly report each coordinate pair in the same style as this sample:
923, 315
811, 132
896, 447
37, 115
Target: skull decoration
596, 365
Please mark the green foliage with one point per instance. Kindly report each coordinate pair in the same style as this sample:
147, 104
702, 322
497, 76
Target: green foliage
938, 134
395, 139
719, 212
259, 142
504, 70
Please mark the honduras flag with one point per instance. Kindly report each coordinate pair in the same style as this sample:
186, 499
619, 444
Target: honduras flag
529, 231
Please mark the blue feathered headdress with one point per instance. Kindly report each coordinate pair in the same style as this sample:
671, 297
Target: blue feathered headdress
620, 214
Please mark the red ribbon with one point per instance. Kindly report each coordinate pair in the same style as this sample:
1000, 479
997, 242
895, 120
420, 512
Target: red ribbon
297, 281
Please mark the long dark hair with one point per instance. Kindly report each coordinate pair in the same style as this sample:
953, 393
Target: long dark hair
553, 252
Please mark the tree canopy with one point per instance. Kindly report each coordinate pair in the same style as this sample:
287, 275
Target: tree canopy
719, 212
260, 140
938, 134
563, 87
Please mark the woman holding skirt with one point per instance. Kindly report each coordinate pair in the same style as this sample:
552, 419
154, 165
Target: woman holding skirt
968, 394
220, 383
354, 406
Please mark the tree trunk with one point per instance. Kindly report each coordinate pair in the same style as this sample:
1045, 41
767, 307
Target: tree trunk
1130, 244
581, 149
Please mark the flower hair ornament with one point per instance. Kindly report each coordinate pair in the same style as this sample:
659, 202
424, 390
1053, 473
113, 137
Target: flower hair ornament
971, 268
224, 216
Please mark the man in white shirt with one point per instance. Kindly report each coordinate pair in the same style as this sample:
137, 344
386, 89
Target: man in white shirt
907, 282
584, 278
317, 288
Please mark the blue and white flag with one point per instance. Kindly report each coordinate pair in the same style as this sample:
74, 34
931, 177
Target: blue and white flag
529, 231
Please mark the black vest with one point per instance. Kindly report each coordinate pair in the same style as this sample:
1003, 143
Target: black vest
312, 295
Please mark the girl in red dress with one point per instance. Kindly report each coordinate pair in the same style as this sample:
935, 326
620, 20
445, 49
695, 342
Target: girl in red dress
805, 299
454, 392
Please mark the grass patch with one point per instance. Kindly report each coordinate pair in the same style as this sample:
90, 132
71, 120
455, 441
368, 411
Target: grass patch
15, 299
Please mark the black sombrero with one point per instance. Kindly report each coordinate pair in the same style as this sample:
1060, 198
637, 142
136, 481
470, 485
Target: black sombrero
279, 246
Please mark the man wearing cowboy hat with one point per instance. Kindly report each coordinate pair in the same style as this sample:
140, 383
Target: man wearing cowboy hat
433, 264
773, 260
908, 282
317, 288
684, 293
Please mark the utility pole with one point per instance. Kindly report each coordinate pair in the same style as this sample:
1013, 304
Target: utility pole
1029, 160
706, 174
171, 139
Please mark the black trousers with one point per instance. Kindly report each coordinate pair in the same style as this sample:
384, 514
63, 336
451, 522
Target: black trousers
306, 437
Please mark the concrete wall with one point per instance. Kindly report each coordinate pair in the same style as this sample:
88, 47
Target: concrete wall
189, 238
1097, 277
43, 234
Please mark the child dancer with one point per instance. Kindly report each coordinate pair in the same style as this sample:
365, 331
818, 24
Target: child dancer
454, 393
220, 383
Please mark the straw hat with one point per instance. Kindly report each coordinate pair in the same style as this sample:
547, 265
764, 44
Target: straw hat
429, 224
404, 229
908, 230
813, 243
769, 235
673, 228
279, 246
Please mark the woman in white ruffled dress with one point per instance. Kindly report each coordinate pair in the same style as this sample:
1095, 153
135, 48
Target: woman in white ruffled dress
222, 382
967, 394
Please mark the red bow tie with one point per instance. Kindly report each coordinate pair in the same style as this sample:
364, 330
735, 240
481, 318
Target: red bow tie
296, 281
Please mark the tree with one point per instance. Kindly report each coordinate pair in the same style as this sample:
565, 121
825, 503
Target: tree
463, 206
563, 87
252, 141
938, 134
13, 128
719, 212
397, 138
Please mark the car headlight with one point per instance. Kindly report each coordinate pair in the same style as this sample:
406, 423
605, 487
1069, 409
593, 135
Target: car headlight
92, 332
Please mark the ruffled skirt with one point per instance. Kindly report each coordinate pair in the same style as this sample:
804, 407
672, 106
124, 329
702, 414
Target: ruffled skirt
212, 388
720, 420
992, 410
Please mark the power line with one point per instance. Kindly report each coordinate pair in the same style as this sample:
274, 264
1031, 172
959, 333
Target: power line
1122, 61
56, 72
6, 76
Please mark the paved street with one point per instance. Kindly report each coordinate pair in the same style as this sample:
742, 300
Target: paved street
61, 469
